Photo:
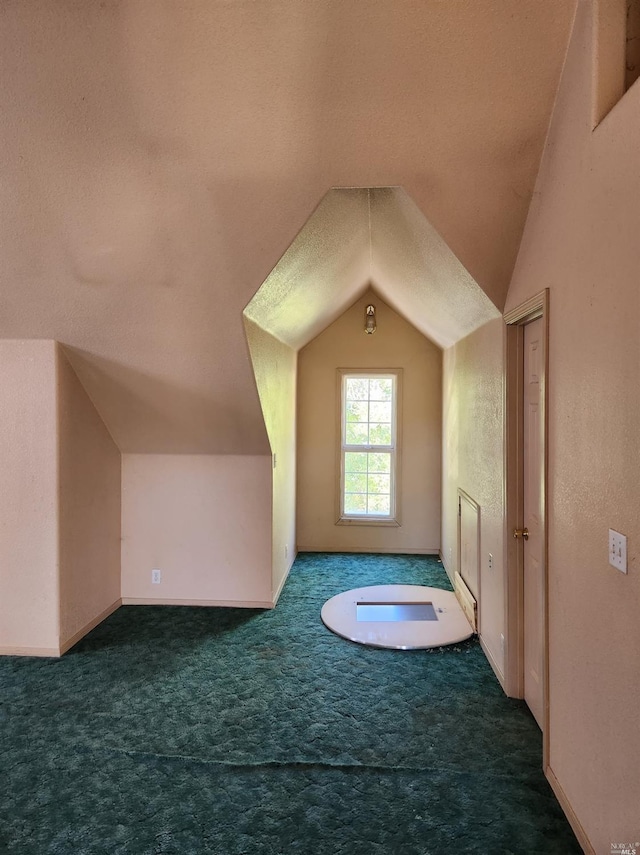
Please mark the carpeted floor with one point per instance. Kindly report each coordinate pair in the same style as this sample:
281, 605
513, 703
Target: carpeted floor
236, 732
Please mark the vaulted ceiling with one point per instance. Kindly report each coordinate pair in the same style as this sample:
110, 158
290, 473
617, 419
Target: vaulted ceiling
158, 159
369, 237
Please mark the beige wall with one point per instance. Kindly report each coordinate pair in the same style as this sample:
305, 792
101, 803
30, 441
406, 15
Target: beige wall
472, 442
89, 490
275, 366
396, 344
158, 157
204, 521
608, 68
29, 620
582, 242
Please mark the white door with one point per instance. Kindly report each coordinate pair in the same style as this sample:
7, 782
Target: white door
533, 484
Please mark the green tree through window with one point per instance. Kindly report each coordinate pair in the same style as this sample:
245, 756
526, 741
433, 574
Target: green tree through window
369, 420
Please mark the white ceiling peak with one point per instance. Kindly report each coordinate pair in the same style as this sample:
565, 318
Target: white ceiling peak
361, 237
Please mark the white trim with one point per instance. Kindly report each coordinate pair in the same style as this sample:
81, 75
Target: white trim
446, 569
276, 595
569, 812
30, 651
64, 646
516, 319
368, 520
393, 449
496, 668
468, 602
463, 496
75, 638
372, 550
236, 604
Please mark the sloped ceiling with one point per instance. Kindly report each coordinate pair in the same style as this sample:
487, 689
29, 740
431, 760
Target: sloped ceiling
323, 271
158, 158
357, 238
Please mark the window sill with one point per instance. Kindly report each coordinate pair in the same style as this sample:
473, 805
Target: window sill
377, 521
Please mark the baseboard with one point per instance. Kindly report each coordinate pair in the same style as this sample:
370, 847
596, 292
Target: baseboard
564, 803
75, 638
30, 651
496, 669
446, 570
276, 595
368, 550
231, 604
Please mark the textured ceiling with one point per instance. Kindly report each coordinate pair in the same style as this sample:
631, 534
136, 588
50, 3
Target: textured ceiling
158, 158
323, 271
376, 237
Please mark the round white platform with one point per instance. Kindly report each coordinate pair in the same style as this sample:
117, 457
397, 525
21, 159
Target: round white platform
402, 617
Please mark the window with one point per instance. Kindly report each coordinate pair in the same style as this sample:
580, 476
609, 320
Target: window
369, 447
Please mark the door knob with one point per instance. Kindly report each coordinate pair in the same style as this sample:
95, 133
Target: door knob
521, 532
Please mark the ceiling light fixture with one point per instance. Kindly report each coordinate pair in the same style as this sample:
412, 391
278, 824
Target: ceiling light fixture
370, 320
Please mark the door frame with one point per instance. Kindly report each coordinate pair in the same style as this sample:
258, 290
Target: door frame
516, 319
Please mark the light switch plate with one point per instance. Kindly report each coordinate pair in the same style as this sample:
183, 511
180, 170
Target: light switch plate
618, 550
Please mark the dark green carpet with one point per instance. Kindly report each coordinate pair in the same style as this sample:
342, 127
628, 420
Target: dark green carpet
235, 732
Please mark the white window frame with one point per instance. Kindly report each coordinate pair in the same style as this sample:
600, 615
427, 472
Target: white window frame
393, 519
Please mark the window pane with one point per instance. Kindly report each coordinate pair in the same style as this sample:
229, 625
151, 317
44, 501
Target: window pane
357, 411
357, 389
356, 461
355, 503
367, 420
379, 504
379, 434
379, 462
380, 389
356, 434
379, 484
380, 412
355, 482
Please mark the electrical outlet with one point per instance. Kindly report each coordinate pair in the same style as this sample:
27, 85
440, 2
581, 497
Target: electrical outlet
618, 550
490, 561
502, 643
275, 460
156, 577
286, 551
